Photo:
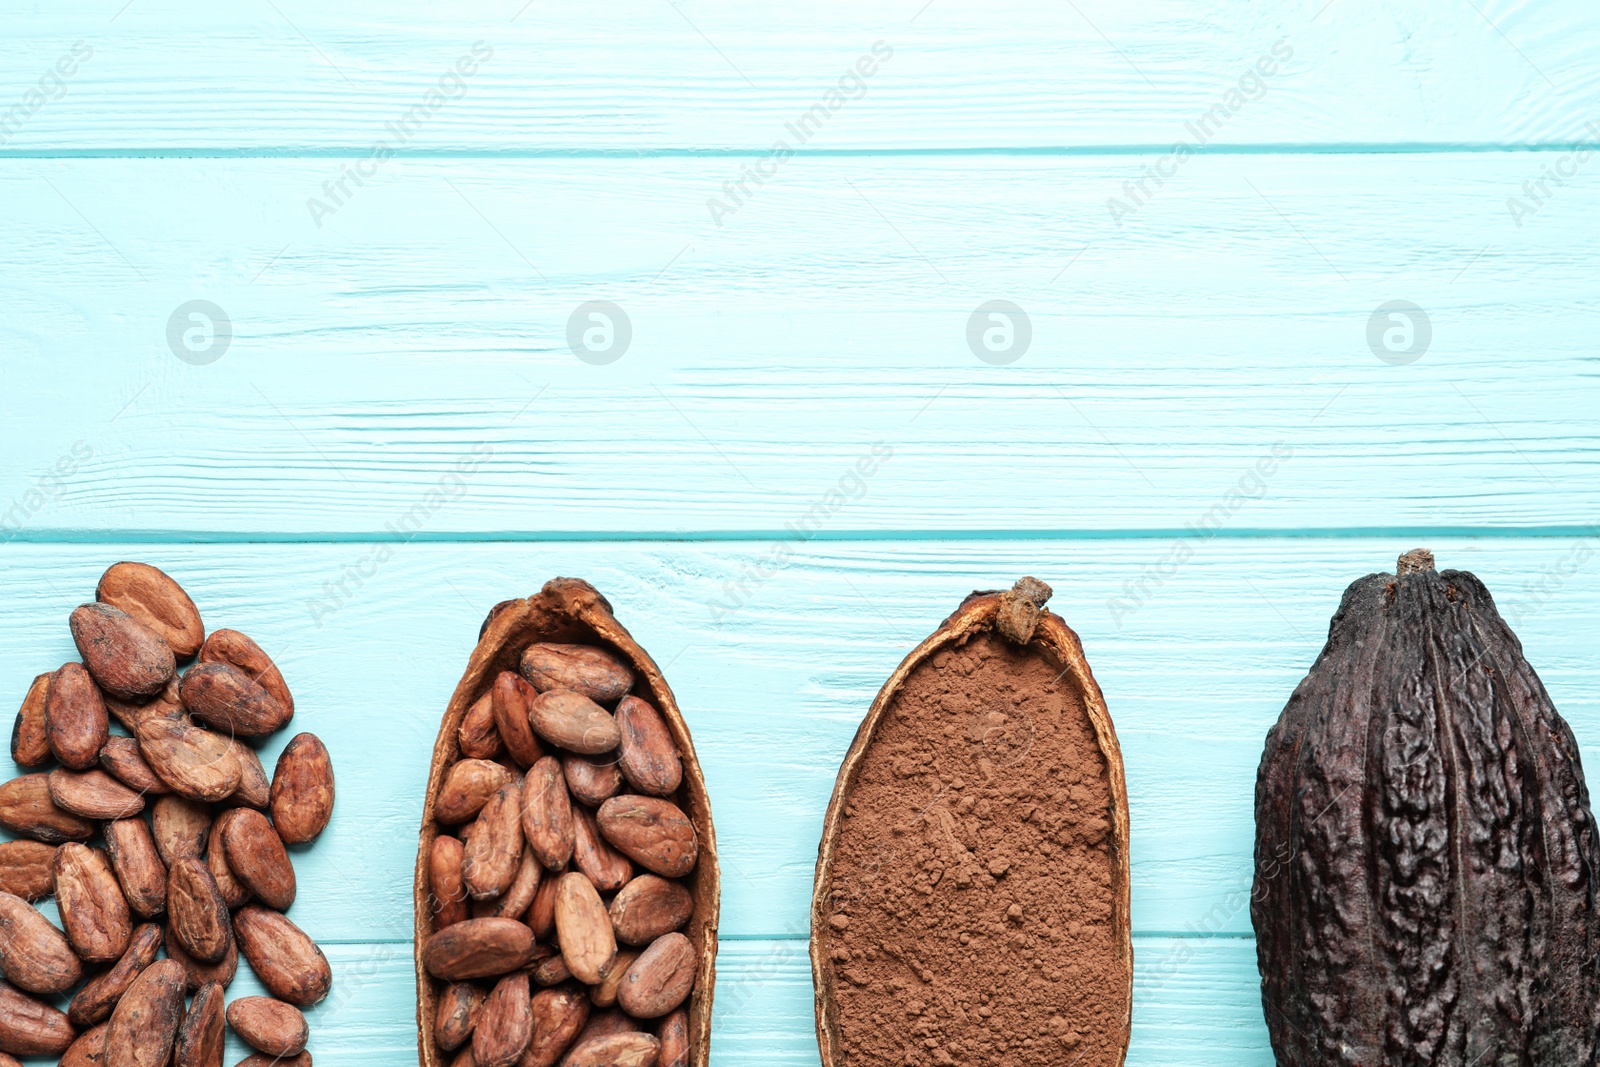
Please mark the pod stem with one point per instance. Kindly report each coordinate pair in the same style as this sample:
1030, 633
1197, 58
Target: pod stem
1417, 561
1020, 608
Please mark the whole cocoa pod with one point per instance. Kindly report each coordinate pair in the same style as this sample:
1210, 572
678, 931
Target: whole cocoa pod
125, 657
148, 595
1426, 858
288, 962
77, 724
302, 790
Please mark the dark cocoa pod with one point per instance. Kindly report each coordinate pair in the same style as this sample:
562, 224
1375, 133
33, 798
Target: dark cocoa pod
30, 737
27, 869
100, 994
1426, 859
223, 696
76, 721
154, 599
238, 651
125, 657
202, 1034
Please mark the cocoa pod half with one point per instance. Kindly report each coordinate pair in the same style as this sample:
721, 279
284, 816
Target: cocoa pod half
30, 736
76, 722
288, 962
148, 595
144, 1024
124, 656
269, 1025
34, 955
93, 909
302, 790
30, 1027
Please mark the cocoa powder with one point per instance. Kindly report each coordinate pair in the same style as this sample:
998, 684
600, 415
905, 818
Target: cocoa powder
972, 894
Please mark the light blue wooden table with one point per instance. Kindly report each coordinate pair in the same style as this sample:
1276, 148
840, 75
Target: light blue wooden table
400, 212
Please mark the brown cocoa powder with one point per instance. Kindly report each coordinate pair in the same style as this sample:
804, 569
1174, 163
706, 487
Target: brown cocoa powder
972, 894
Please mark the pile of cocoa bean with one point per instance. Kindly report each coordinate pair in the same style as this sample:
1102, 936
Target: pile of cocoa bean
557, 876
169, 838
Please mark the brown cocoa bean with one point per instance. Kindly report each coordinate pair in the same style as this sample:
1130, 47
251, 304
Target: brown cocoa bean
164, 705
450, 901
604, 995
140, 869
505, 1024
30, 1027
196, 763
223, 696
652, 832
93, 795
541, 917
196, 912
673, 1033
607, 1022
660, 978
648, 907
467, 786
478, 737
76, 722
256, 857
120, 757
234, 892
30, 736
124, 656
202, 1036
34, 955
197, 975
592, 781
26, 808
518, 897
26, 869
574, 722
255, 788
547, 814
145, 1022
100, 994
583, 929
594, 672
240, 652
494, 847
551, 969
649, 757
179, 826
617, 1050
261, 1059
478, 948
607, 868
269, 1025
93, 909
509, 700
302, 790
288, 962
89, 1050
456, 1014
155, 600
558, 1016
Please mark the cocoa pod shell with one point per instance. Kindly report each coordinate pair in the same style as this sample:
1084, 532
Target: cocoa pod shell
137, 862
34, 955
593, 781
478, 736
124, 656
89, 1050
269, 1025
448, 893
607, 868
509, 700
202, 1035
648, 756
100, 994
150, 596
257, 858
144, 1024
196, 912
30, 1027
653, 832
255, 788
594, 672
240, 652
558, 1017
234, 892
180, 827
604, 995
164, 705
76, 721
494, 847
120, 757
93, 910
648, 907
302, 789
196, 763
27, 808
583, 929
27, 869
467, 788
93, 795
198, 975
505, 1024
288, 962
547, 820
615, 1050
478, 948
457, 1014
673, 1033
574, 722
30, 735
518, 897
660, 979
222, 696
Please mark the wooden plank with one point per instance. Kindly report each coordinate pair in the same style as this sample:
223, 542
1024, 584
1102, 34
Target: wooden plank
169, 75
774, 688
423, 332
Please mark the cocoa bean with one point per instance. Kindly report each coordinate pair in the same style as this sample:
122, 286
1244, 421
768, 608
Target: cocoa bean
450, 902
594, 672
196, 763
607, 868
478, 948
467, 787
223, 696
660, 978
592, 781
558, 1016
269, 1025
30, 736
654, 833
617, 1050
156, 601
89, 1050
261, 1059
30, 1027
302, 790
604, 995
76, 722
257, 858
26, 808
93, 909
509, 700
456, 1014
120, 757
100, 994
164, 705
93, 795
494, 847
574, 722
673, 1033
607, 1022
202, 1036
196, 974
26, 869
478, 737
240, 652
124, 656
505, 1024
288, 962
541, 917
518, 897
547, 820
234, 892
255, 788
648, 907
552, 969
34, 955
583, 928
196, 912
139, 867
180, 827
145, 1022
649, 757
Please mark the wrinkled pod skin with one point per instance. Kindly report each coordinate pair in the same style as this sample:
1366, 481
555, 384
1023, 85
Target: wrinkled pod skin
1425, 853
